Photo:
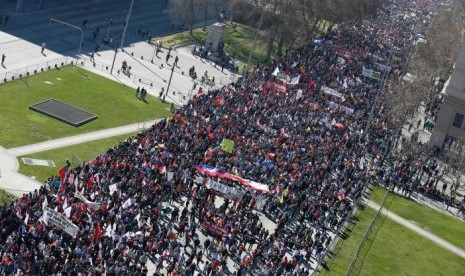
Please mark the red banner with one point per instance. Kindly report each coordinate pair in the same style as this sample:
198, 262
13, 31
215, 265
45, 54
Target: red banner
213, 228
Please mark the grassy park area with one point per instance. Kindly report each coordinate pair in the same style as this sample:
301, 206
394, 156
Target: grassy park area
448, 227
391, 249
85, 152
5, 197
239, 40
114, 103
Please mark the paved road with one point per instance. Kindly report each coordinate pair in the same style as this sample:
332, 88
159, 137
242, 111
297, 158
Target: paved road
434, 238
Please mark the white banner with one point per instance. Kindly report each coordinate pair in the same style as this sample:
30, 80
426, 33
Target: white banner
334, 105
370, 73
227, 191
92, 205
112, 188
295, 80
58, 220
127, 203
231, 192
330, 91
382, 67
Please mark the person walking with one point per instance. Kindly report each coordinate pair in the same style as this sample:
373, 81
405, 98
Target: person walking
43, 47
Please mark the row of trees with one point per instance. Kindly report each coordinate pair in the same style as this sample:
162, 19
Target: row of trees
286, 22
432, 59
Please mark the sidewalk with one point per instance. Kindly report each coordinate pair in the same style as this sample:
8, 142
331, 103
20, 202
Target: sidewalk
23, 56
17, 184
78, 139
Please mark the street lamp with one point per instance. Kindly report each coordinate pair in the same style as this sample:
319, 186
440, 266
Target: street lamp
72, 26
126, 23
169, 82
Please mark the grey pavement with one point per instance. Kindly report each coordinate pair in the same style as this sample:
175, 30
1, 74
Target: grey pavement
24, 56
15, 183
81, 138
155, 76
432, 237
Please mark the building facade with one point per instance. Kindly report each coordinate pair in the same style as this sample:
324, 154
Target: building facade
450, 124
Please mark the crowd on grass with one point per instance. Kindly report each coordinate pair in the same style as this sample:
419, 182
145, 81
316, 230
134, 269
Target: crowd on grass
174, 197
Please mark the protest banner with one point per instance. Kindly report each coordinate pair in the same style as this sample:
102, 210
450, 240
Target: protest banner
213, 228
227, 191
382, 67
332, 92
295, 80
220, 173
92, 205
334, 105
52, 217
370, 73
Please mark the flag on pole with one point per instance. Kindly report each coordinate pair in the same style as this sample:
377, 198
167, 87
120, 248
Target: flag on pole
276, 71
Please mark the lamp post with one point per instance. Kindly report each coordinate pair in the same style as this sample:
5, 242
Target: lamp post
126, 23
72, 26
169, 82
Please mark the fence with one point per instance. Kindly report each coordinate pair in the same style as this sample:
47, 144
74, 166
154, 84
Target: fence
366, 236
24, 72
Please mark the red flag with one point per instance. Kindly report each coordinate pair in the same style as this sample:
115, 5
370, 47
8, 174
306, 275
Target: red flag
219, 100
97, 232
62, 172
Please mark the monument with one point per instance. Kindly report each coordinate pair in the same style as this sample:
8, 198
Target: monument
215, 37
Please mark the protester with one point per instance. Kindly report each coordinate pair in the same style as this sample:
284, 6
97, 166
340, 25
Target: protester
288, 141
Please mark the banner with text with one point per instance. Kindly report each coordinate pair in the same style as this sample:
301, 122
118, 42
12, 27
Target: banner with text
56, 219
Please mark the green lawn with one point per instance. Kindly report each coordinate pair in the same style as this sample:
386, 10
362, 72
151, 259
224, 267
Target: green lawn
114, 103
85, 152
447, 227
391, 250
239, 40
5, 197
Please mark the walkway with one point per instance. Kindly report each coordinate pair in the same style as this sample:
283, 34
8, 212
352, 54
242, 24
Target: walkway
24, 56
78, 139
436, 239
17, 184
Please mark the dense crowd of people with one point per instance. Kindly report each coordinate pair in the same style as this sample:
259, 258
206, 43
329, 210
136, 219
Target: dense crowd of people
301, 138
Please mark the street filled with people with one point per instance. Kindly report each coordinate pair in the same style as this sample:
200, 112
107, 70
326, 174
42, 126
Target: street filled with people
253, 178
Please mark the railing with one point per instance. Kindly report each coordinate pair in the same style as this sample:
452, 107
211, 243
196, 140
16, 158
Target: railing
366, 235
24, 72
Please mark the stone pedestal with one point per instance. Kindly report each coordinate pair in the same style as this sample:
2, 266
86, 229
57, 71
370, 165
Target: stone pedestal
216, 34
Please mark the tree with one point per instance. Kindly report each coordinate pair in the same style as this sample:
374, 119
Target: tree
183, 12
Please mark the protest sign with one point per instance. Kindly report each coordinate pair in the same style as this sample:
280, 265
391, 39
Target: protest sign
227, 145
